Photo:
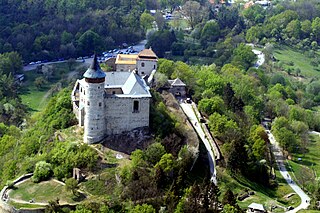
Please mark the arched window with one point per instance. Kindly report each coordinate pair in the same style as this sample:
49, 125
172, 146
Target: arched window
135, 106
142, 64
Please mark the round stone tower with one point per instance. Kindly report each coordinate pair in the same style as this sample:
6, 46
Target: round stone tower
94, 119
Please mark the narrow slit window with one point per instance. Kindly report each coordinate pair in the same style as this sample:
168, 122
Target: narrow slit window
135, 106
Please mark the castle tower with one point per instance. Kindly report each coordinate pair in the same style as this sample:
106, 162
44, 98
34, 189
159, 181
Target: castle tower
94, 119
146, 62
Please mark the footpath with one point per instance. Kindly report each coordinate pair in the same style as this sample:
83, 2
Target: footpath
278, 154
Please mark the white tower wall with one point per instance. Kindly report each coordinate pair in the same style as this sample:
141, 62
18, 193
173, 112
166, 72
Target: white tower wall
94, 120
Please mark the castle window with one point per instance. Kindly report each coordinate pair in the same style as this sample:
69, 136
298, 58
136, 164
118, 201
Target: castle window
113, 92
88, 103
142, 64
135, 106
142, 73
100, 104
84, 92
81, 89
154, 66
98, 87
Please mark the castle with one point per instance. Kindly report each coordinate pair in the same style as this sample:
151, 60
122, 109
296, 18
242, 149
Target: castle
107, 103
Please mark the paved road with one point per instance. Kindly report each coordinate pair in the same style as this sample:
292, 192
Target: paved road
261, 58
188, 110
138, 47
277, 152
314, 133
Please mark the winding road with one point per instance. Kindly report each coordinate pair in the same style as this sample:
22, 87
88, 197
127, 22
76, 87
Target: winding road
277, 152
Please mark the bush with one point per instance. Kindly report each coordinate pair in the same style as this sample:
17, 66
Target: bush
42, 171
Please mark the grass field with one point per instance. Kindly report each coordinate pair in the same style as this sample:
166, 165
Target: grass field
310, 161
36, 98
300, 60
41, 192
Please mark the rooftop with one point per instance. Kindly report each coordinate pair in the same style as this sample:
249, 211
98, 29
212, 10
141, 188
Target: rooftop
256, 206
130, 83
94, 71
126, 59
147, 54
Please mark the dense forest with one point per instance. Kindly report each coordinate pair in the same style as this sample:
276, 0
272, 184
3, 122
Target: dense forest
210, 55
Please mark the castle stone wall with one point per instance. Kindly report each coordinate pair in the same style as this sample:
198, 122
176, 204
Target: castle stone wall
120, 114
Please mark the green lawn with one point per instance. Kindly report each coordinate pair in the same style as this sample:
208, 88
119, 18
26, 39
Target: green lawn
300, 60
309, 161
36, 98
41, 192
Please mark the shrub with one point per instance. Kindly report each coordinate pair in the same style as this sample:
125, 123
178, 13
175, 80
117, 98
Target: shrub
42, 171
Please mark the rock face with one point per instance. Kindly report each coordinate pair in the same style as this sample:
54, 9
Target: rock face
129, 141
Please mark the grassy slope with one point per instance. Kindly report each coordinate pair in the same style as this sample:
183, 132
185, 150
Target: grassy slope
263, 195
301, 61
41, 192
310, 160
36, 98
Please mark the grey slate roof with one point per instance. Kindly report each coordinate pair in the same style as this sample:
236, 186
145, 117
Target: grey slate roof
130, 83
177, 82
94, 71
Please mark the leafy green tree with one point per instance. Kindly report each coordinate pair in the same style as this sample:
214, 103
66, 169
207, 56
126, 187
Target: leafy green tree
89, 42
316, 28
254, 34
39, 82
144, 208
154, 153
222, 127
72, 185
209, 106
193, 12
243, 56
293, 29
166, 67
211, 31
306, 28
42, 171
146, 20
161, 41
166, 163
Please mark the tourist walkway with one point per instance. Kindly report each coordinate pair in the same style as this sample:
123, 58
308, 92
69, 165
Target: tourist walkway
277, 152
193, 114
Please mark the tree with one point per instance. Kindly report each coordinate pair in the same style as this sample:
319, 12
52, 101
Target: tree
211, 31
144, 208
229, 198
72, 185
166, 163
161, 41
243, 56
89, 42
306, 28
39, 82
293, 29
154, 153
194, 13
209, 106
42, 171
146, 20
316, 28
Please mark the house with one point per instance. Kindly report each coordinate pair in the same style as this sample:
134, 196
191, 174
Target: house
256, 208
109, 103
143, 63
177, 87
